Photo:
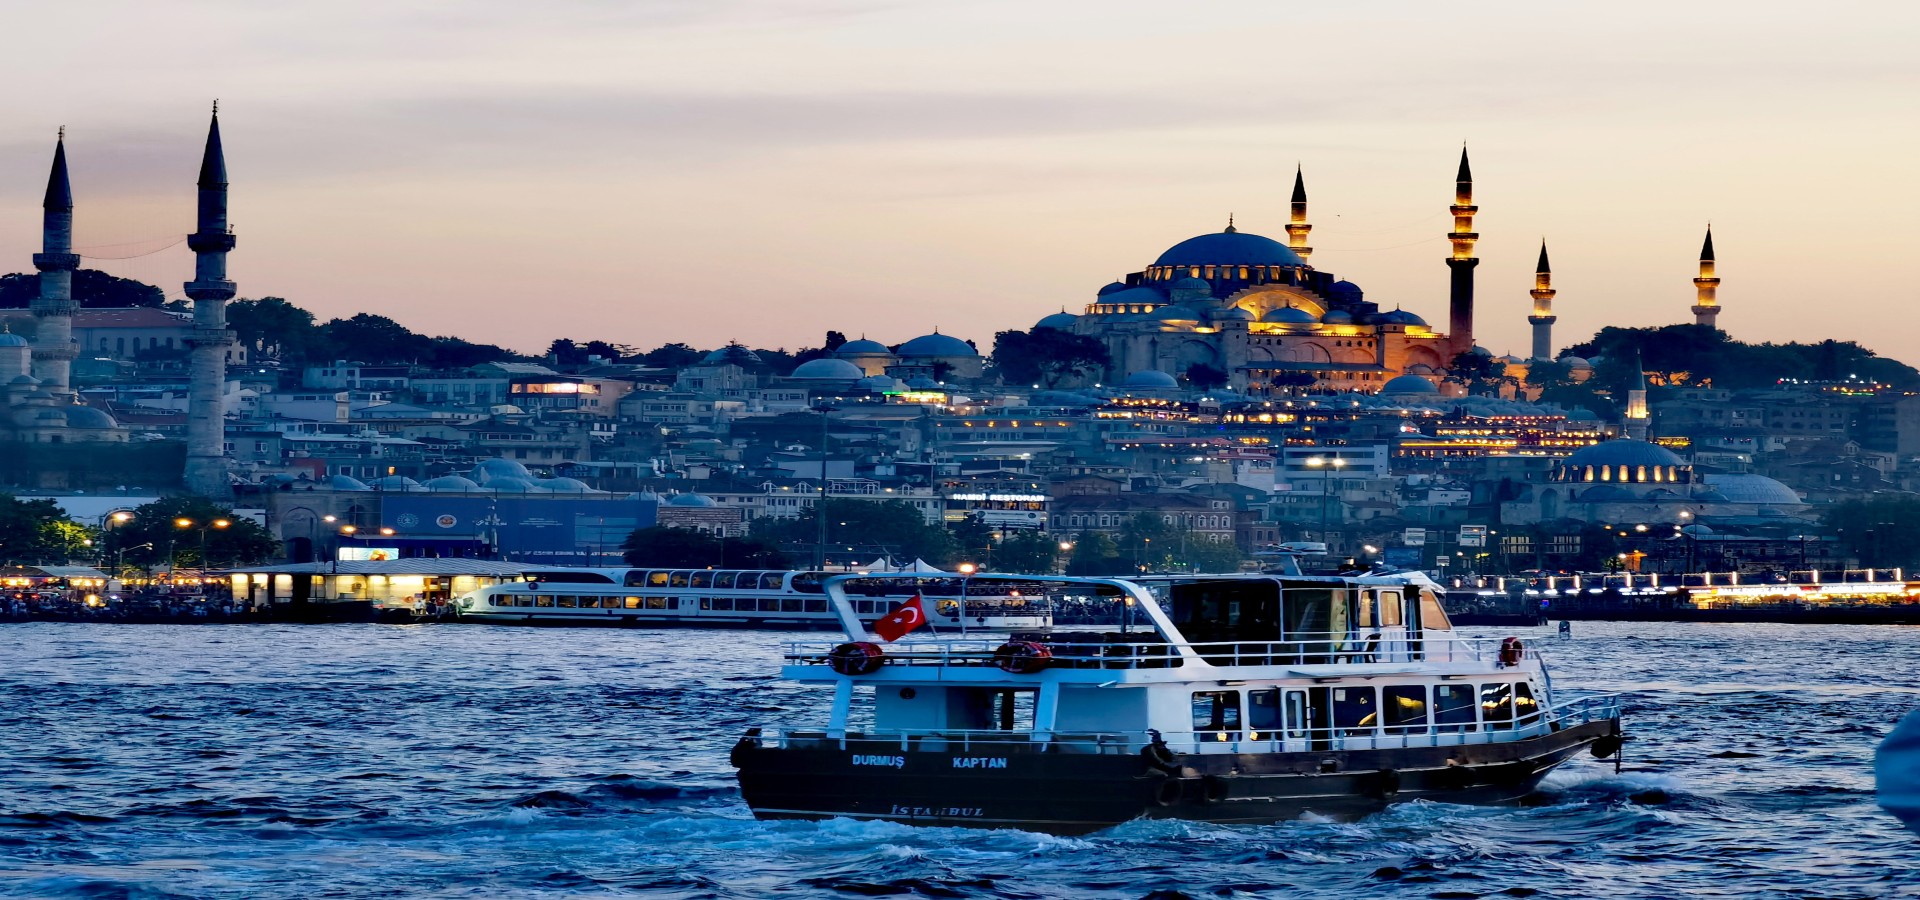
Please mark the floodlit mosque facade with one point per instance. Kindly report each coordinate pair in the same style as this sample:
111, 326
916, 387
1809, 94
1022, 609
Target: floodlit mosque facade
1254, 308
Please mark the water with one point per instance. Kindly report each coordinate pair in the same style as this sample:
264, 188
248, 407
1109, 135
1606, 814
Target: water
467, 761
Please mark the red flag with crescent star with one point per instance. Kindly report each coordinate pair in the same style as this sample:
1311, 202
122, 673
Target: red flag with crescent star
902, 619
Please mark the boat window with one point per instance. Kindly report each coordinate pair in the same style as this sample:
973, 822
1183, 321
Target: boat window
790, 604
565, 601
702, 580
725, 604
769, 604
609, 602
657, 579
769, 581
633, 602
816, 604
1404, 708
809, 583
1431, 614
1354, 710
1389, 608
543, 600
656, 603
635, 578
1263, 714
1216, 715
1363, 609
522, 600
677, 579
1454, 707
723, 581
1525, 708
1496, 704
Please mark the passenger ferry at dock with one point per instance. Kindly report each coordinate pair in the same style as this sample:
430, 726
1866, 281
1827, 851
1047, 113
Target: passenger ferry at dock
752, 598
1240, 699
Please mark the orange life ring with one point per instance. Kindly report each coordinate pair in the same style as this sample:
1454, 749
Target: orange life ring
1022, 657
857, 658
1512, 652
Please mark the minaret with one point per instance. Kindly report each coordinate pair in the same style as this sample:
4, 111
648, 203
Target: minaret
1297, 226
1461, 263
1637, 416
53, 349
1705, 308
1542, 317
206, 404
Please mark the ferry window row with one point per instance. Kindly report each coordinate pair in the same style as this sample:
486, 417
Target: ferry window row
1400, 709
707, 578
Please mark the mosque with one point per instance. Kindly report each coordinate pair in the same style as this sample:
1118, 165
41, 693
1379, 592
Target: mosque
1253, 308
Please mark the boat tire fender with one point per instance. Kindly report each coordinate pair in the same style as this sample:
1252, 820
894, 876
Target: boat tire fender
856, 658
1606, 745
1167, 792
1512, 651
1214, 788
1387, 783
1022, 657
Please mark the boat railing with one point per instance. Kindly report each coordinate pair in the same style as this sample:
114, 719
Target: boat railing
1243, 738
1117, 650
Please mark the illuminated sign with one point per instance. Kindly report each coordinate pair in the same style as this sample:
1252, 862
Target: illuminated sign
1009, 498
368, 554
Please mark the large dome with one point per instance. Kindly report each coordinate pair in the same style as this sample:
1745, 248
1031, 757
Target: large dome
1625, 452
937, 344
1150, 379
827, 370
1754, 489
1289, 315
1145, 295
1062, 320
498, 467
1229, 248
87, 417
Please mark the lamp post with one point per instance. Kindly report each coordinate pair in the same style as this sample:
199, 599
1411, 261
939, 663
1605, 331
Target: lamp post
120, 556
820, 504
1066, 555
1326, 485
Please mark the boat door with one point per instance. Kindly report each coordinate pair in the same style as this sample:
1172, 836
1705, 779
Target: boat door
1309, 719
1392, 625
1410, 606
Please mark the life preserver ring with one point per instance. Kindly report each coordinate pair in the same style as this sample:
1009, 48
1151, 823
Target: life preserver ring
1022, 657
1512, 652
857, 658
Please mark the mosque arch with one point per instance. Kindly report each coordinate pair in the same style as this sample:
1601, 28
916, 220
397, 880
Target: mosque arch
1261, 299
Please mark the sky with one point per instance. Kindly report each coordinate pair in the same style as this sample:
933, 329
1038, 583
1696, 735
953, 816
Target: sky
764, 170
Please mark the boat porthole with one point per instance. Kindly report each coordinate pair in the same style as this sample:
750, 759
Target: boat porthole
907, 694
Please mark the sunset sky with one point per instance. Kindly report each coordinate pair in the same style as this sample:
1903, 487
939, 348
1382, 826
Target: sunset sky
706, 170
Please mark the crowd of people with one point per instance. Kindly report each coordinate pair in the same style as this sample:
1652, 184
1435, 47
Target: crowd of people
146, 604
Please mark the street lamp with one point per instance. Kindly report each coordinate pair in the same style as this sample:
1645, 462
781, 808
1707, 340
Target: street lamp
1326, 486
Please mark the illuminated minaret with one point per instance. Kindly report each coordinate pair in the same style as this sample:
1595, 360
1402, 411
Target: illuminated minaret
1705, 308
1542, 317
1637, 416
206, 404
1297, 226
1461, 263
53, 349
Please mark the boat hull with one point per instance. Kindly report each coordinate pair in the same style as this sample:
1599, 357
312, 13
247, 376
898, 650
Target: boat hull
988, 786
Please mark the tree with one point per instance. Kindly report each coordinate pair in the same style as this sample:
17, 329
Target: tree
1095, 554
36, 531
92, 289
273, 326
671, 356
973, 541
1026, 552
1880, 532
1162, 547
566, 353
375, 339
892, 528
1470, 365
174, 528
1047, 356
1205, 377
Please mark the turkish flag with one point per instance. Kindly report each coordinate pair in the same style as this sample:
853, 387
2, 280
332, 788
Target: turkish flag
904, 618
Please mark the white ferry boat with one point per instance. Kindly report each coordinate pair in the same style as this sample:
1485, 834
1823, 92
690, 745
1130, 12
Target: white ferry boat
751, 598
1241, 699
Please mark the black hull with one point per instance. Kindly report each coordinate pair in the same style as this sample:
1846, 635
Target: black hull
991, 786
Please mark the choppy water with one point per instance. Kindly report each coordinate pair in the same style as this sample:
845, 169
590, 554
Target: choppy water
467, 761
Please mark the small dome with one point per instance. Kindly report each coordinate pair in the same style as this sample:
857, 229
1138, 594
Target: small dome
1575, 363
489, 469
937, 344
828, 370
1232, 248
1754, 489
514, 484
1062, 320
1346, 292
1696, 529
394, 483
1110, 288
1605, 493
697, 501
1289, 315
1192, 284
1423, 369
862, 347
24, 379
9, 339
1151, 379
1399, 317
450, 483
1174, 312
732, 353
1234, 314
1142, 295
1337, 317
1476, 351
923, 383
1408, 384
88, 417
1623, 452
880, 384
567, 486
346, 483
